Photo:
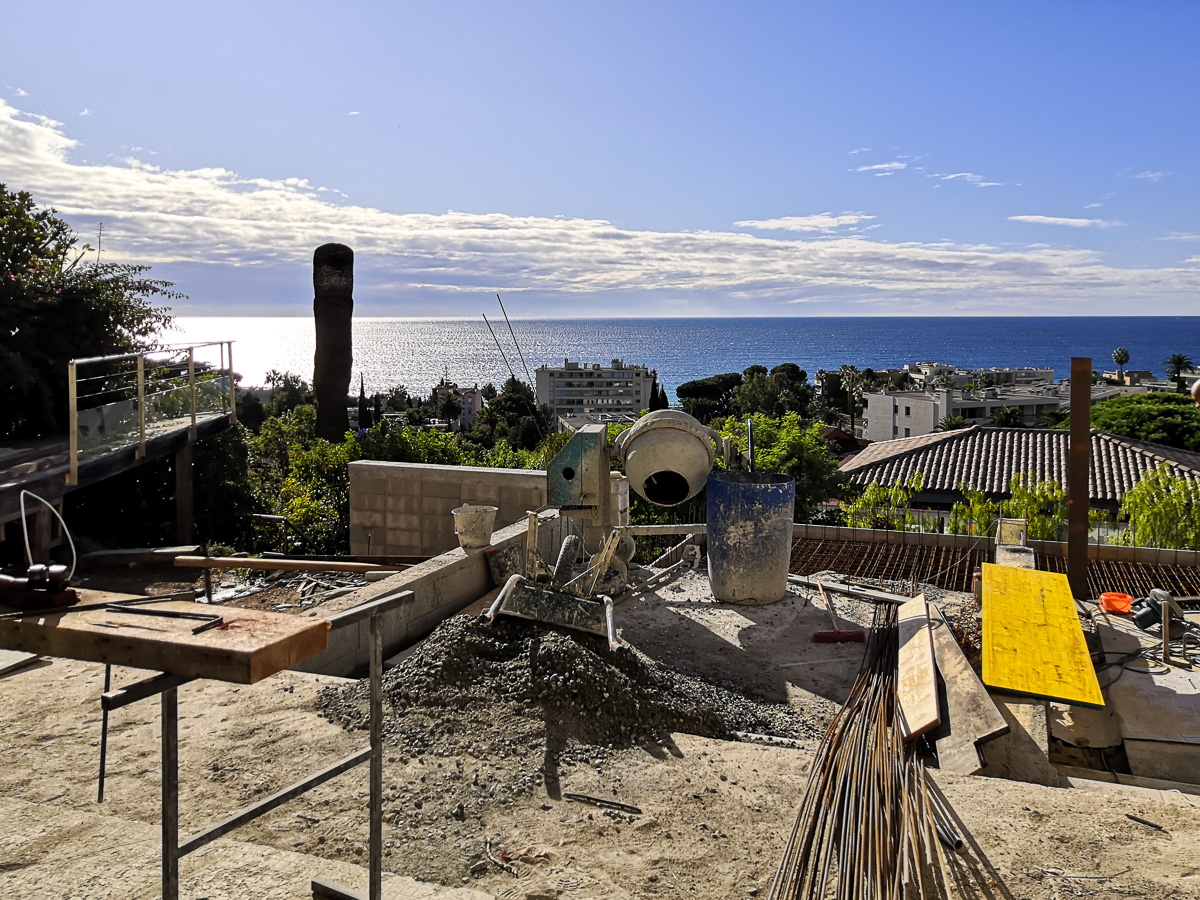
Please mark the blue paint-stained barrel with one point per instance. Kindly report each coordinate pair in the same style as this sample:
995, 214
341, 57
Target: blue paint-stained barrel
749, 535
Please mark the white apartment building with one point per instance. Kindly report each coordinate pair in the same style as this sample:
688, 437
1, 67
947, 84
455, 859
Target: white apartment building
925, 372
910, 413
582, 389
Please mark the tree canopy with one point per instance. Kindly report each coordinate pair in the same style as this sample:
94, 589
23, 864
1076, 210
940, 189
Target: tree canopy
56, 305
1170, 419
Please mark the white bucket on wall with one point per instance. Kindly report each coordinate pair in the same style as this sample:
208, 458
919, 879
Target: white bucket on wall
473, 525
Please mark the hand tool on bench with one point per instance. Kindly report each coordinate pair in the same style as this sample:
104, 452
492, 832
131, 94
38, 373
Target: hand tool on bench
837, 636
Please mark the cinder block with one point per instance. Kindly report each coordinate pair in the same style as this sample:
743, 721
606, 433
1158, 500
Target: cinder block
438, 506
442, 488
401, 483
403, 542
410, 521
370, 502
367, 483
405, 504
367, 518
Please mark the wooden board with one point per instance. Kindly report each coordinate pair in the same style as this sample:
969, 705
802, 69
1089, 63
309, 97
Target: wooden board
916, 682
971, 713
11, 660
1033, 642
249, 646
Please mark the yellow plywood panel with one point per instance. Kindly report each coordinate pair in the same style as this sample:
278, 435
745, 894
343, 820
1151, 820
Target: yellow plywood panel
1033, 641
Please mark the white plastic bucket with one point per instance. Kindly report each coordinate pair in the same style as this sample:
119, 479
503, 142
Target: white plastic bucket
473, 525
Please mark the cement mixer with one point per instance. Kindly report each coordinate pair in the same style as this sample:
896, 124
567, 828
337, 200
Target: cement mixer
667, 456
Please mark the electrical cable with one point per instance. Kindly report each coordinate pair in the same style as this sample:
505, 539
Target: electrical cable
57, 515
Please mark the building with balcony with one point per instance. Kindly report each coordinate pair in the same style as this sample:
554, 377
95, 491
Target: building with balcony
575, 388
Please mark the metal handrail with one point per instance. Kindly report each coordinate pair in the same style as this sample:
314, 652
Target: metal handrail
224, 369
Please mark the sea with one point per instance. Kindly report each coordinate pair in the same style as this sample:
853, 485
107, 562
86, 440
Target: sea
418, 352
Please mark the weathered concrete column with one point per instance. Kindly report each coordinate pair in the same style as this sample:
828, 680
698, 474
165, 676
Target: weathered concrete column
185, 514
333, 311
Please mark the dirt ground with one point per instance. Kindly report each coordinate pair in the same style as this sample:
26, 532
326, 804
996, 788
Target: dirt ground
713, 817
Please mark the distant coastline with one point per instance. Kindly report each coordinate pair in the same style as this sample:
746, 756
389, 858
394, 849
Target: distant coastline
417, 351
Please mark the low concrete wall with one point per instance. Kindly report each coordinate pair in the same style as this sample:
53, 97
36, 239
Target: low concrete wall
403, 509
441, 586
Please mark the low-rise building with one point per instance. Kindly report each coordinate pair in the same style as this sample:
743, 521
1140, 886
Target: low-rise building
581, 389
470, 402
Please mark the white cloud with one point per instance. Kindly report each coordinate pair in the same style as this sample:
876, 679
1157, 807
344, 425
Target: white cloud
820, 222
968, 177
860, 150
1062, 220
1180, 236
213, 220
354, 113
888, 167
1192, 259
1093, 205
1151, 176
85, 112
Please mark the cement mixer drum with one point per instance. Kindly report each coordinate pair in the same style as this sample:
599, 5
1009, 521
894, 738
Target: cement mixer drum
667, 456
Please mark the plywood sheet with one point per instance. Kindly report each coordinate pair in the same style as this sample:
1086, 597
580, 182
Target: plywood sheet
249, 646
916, 682
1033, 642
973, 716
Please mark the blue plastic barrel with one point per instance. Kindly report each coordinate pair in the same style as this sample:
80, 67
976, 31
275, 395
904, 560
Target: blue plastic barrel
749, 535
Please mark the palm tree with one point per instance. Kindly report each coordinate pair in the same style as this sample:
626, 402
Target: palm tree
852, 381
1177, 364
1121, 358
1007, 417
951, 423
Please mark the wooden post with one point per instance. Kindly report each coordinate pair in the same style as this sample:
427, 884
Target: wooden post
184, 502
73, 422
141, 376
1078, 469
232, 388
192, 385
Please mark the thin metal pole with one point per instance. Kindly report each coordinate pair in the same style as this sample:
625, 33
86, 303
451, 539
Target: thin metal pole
192, 385
376, 800
232, 389
103, 736
170, 794
141, 376
73, 413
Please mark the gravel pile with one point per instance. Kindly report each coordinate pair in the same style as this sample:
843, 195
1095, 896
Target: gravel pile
518, 687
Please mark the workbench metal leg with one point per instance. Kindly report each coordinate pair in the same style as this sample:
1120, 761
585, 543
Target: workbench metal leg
103, 737
376, 800
170, 794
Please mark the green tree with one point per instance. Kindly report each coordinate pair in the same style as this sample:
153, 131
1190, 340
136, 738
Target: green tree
758, 393
1121, 358
288, 390
57, 305
887, 507
709, 398
1177, 364
1169, 419
951, 423
788, 445
1042, 504
1163, 511
1008, 417
976, 514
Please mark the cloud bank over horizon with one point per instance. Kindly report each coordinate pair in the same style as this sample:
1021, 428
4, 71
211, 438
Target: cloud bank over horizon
221, 227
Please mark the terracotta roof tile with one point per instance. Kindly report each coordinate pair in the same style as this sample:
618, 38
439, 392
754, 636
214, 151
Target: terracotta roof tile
987, 458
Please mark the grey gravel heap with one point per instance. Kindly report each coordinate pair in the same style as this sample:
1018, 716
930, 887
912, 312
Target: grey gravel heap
516, 686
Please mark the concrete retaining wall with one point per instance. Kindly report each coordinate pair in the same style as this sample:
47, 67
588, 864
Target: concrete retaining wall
403, 509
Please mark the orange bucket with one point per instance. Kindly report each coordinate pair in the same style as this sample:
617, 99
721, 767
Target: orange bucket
1115, 603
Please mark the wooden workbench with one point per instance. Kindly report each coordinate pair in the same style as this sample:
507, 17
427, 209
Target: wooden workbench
248, 646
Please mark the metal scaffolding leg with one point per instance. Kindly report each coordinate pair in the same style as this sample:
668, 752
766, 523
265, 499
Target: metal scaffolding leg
170, 794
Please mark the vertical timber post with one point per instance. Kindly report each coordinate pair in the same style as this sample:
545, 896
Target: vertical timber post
170, 794
1078, 469
375, 842
333, 312
141, 376
184, 499
73, 424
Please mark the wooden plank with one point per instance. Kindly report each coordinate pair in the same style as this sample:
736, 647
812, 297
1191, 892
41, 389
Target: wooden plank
970, 712
274, 564
916, 683
11, 660
1033, 642
249, 646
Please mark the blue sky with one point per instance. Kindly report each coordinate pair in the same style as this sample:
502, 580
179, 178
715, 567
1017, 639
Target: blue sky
625, 158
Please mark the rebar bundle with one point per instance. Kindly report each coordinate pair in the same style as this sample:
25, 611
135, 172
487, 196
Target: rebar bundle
873, 825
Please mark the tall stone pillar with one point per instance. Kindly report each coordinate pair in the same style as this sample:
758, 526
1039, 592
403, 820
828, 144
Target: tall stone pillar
333, 310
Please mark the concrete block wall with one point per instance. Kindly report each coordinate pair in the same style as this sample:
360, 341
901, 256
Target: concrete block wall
404, 509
